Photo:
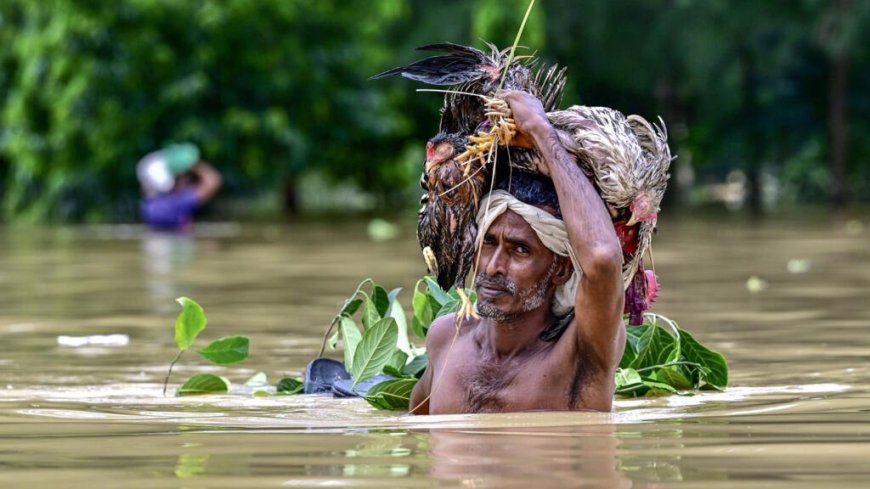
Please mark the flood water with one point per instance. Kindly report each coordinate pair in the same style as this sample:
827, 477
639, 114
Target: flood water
785, 302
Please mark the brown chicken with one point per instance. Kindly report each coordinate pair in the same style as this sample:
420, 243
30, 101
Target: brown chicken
454, 182
626, 158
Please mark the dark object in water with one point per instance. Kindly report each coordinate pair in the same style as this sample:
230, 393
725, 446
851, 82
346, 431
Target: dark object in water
321, 374
328, 376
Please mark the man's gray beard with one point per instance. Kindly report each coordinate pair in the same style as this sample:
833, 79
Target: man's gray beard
531, 298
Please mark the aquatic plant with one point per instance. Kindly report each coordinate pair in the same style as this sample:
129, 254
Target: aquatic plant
659, 358
191, 321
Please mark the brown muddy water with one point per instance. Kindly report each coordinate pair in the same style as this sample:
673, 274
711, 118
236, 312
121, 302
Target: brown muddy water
788, 303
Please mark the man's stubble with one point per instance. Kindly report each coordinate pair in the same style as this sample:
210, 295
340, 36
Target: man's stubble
530, 299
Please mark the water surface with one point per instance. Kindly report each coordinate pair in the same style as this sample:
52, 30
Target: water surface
785, 302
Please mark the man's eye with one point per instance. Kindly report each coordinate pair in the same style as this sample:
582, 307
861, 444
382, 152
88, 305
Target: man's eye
522, 250
488, 240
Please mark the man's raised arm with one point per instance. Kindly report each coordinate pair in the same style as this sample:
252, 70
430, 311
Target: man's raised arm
600, 300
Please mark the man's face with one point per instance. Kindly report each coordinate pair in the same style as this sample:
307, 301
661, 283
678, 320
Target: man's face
516, 269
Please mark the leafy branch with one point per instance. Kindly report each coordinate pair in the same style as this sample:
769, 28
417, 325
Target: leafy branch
191, 321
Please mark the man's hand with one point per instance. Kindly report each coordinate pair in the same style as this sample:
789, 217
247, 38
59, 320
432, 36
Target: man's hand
531, 120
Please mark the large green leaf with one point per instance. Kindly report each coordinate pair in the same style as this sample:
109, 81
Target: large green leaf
189, 323
423, 312
655, 347
436, 291
714, 362
629, 354
448, 307
416, 366
626, 377
398, 360
398, 313
370, 314
633, 334
351, 337
227, 350
204, 384
392, 297
674, 376
391, 394
374, 350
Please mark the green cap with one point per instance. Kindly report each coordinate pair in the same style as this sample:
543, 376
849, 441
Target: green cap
180, 157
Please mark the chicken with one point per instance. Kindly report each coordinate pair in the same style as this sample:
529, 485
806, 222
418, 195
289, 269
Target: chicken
453, 179
626, 158
447, 227
475, 75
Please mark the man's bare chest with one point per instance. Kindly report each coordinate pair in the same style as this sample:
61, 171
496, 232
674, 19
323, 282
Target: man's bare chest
471, 383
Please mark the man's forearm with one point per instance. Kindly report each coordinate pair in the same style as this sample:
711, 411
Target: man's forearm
590, 229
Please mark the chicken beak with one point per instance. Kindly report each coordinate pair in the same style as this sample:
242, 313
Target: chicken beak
632, 220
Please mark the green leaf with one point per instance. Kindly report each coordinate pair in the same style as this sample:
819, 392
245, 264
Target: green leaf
434, 305
288, 386
189, 323
398, 360
351, 337
673, 376
381, 300
708, 359
633, 334
398, 313
449, 307
417, 366
375, 350
391, 394
257, 379
351, 307
227, 350
332, 341
423, 313
655, 347
391, 370
370, 314
392, 297
204, 384
626, 377
436, 291
628, 355
658, 388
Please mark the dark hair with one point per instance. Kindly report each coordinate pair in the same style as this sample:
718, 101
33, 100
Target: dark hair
531, 188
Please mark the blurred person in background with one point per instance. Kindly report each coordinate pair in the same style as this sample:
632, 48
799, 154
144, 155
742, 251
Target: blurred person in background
175, 183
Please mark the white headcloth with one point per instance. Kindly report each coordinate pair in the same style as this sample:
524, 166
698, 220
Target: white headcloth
550, 230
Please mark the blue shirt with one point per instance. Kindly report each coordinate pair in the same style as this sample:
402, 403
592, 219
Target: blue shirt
170, 212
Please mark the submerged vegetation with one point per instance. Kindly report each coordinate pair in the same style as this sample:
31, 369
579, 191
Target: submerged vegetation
660, 358
376, 338
191, 321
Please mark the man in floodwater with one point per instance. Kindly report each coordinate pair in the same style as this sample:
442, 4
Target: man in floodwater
175, 183
546, 339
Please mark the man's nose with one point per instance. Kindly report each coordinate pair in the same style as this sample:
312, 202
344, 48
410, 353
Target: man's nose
494, 262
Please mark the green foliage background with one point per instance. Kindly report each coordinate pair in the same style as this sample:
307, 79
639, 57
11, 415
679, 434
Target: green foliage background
276, 90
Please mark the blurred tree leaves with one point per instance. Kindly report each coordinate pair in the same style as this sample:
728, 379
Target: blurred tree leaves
272, 90
268, 89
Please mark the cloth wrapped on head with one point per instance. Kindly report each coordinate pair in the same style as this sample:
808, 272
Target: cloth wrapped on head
158, 170
550, 230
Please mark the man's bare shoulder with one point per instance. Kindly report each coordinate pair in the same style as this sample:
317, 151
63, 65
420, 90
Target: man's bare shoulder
442, 331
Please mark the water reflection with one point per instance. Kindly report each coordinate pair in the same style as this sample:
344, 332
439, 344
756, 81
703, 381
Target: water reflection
794, 416
579, 456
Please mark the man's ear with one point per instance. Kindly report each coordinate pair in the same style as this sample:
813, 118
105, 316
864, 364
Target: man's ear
563, 270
